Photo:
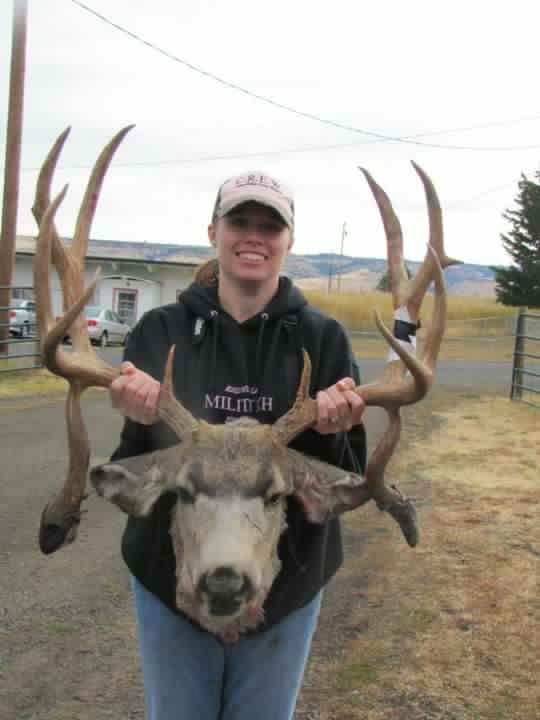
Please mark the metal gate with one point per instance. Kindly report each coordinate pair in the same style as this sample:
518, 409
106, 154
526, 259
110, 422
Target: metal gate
20, 349
526, 363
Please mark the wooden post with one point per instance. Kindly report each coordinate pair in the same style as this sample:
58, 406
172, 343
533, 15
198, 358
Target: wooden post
12, 165
519, 349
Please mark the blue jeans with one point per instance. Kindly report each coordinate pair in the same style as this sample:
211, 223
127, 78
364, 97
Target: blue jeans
191, 675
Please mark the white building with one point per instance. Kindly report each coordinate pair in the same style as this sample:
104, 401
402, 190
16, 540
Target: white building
132, 280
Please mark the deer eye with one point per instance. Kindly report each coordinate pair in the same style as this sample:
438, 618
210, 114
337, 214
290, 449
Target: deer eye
185, 496
273, 500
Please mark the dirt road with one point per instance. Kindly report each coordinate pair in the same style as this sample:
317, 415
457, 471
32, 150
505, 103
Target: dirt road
67, 637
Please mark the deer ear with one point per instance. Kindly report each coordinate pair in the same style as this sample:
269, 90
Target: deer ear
325, 490
133, 489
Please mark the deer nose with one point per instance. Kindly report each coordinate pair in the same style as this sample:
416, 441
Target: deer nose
225, 586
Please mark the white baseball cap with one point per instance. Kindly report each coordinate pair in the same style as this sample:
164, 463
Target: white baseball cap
257, 187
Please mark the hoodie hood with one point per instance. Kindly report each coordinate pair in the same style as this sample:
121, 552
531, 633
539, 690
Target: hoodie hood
204, 302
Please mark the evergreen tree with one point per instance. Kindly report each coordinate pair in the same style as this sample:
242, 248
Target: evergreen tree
519, 284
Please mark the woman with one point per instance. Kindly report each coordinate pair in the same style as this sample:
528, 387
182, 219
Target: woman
239, 331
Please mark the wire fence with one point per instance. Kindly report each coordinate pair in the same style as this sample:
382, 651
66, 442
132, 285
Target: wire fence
526, 363
19, 344
496, 326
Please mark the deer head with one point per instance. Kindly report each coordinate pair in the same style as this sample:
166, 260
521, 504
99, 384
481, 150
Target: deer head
231, 481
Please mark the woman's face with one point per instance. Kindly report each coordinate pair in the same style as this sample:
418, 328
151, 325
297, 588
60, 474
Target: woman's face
252, 242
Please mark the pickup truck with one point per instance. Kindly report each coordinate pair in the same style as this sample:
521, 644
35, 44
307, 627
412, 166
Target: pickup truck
22, 317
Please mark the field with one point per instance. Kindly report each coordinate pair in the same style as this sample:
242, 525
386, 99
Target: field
450, 630
355, 310
366, 280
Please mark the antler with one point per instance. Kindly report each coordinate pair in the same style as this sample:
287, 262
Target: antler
81, 368
394, 389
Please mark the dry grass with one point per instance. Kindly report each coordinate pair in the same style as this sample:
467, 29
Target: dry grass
491, 349
30, 383
450, 630
355, 310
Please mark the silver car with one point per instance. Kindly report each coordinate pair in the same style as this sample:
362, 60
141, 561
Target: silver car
105, 327
22, 317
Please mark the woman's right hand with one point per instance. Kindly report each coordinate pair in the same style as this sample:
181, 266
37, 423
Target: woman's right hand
135, 394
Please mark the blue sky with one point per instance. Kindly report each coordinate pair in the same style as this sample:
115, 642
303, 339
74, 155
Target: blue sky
457, 79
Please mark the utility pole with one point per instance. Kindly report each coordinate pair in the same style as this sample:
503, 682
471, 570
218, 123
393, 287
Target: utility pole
343, 236
8, 231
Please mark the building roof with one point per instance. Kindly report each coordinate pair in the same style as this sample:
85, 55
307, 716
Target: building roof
115, 251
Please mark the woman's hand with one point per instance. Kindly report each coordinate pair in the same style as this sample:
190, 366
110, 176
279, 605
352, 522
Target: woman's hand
338, 407
135, 394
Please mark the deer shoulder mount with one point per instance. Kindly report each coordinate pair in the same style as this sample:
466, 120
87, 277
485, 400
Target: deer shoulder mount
229, 515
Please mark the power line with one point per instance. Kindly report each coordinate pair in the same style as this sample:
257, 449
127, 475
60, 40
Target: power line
377, 136
259, 153
478, 196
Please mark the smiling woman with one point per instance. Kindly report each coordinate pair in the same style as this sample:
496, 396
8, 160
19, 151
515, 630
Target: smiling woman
251, 229
240, 330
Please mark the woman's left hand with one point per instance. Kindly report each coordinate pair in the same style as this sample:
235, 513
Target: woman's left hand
339, 408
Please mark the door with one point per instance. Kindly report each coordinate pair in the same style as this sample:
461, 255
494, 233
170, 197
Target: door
126, 306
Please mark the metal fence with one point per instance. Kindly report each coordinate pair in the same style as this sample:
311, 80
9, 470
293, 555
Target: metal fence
526, 363
20, 349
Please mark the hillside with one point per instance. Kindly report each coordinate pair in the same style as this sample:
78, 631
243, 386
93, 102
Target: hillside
319, 271
357, 274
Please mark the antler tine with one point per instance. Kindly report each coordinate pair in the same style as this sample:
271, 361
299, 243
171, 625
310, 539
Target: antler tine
83, 367
302, 414
405, 292
394, 239
435, 334
416, 289
45, 318
388, 395
42, 201
79, 245
177, 417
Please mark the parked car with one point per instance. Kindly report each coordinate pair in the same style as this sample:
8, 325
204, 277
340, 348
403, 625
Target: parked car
105, 326
22, 317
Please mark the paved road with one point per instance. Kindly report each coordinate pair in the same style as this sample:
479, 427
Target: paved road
449, 373
456, 373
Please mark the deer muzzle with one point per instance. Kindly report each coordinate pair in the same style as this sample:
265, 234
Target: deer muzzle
225, 590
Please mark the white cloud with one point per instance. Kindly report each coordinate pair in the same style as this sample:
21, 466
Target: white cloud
398, 69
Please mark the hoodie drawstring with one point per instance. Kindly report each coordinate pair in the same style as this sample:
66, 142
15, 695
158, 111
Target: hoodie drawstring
214, 316
258, 348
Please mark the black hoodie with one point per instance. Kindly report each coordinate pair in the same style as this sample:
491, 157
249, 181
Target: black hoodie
224, 369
